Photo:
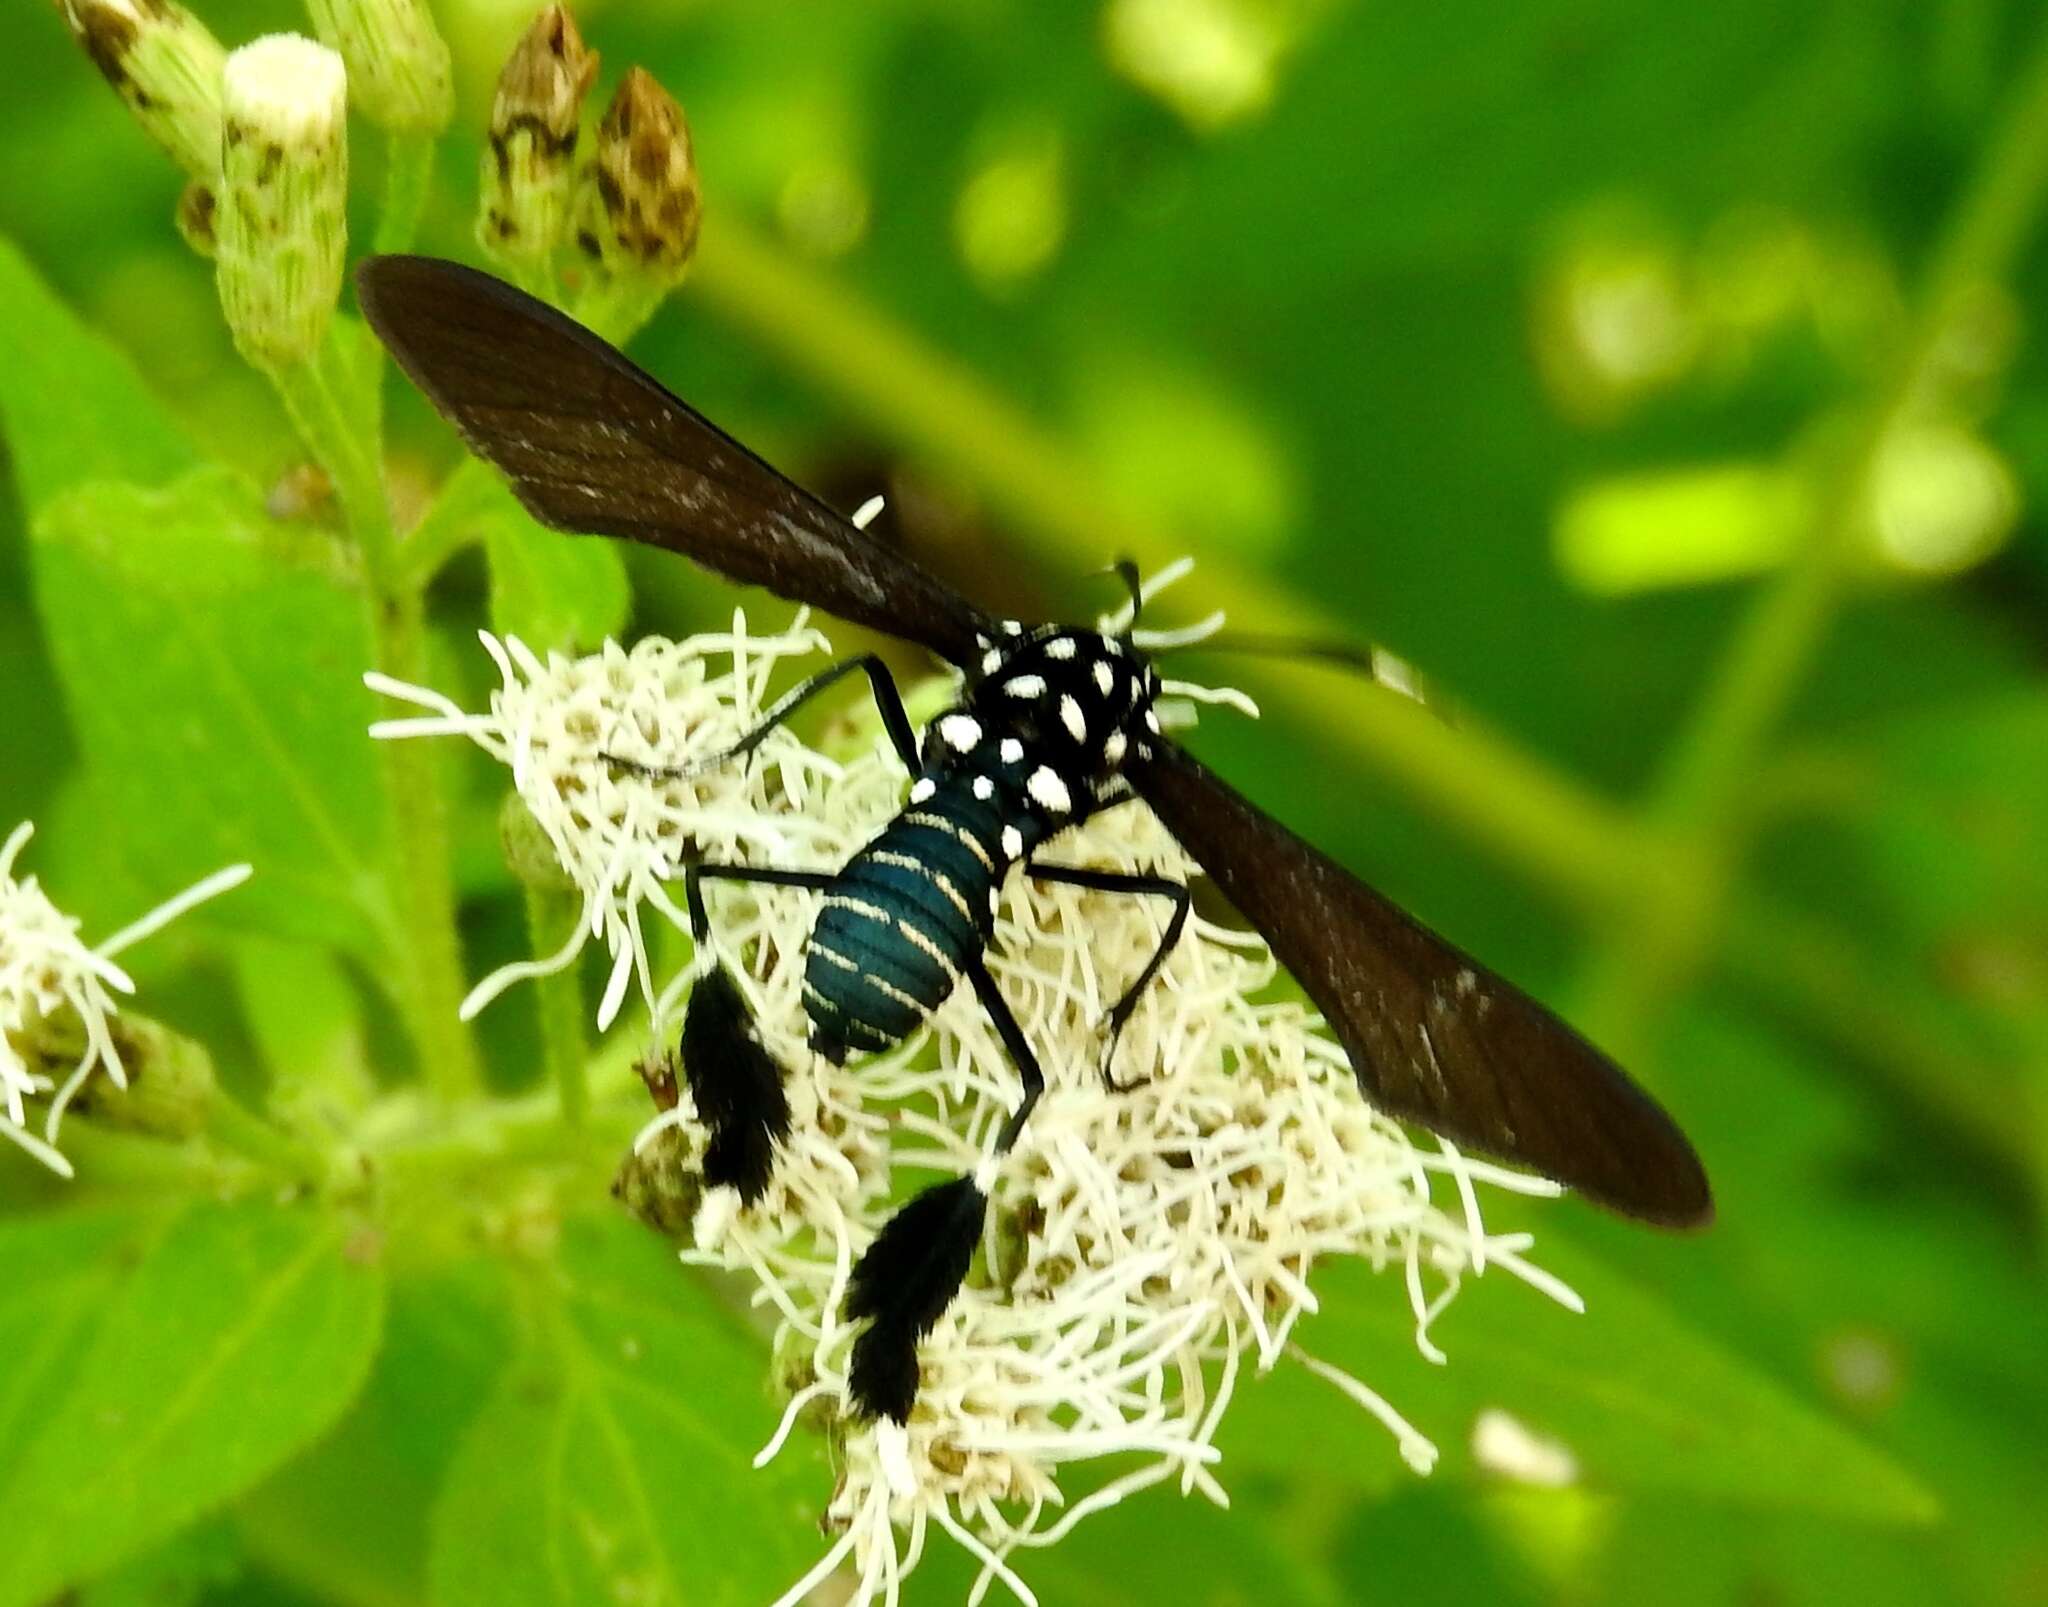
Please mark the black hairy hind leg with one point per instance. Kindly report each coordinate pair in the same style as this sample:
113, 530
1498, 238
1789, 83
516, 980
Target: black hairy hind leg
734, 1081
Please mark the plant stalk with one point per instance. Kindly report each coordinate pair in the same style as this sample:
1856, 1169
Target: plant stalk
408, 174
558, 1000
428, 950
1657, 949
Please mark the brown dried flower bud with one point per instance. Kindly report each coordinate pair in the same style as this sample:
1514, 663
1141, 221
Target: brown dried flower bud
529, 164
639, 203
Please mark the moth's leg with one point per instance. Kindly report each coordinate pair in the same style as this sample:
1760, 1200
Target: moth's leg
1110, 881
887, 699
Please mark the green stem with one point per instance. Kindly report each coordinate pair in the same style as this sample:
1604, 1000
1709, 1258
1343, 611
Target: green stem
1908, 1037
453, 521
1534, 817
408, 173
1655, 952
231, 1126
550, 917
429, 956
618, 310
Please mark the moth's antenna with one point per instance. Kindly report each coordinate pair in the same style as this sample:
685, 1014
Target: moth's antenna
1126, 570
1123, 623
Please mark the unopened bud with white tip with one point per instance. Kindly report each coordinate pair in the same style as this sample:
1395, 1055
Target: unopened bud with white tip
281, 225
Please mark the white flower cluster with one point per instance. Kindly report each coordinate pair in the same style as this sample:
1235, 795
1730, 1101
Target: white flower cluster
45, 968
1147, 1242
620, 838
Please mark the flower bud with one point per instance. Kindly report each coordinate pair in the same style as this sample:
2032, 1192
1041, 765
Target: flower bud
167, 1085
165, 65
638, 208
281, 225
660, 1182
398, 69
529, 167
528, 851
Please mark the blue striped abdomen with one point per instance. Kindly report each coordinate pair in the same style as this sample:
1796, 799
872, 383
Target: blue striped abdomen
907, 912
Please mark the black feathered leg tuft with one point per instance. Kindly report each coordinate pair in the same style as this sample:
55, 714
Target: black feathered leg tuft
904, 1283
737, 1087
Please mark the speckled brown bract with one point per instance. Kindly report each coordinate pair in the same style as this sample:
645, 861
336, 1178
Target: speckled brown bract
641, 207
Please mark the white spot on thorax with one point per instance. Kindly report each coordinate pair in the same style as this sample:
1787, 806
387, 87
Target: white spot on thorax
1048, 791
1113, 746
1105, 677
1013, 842
984, 789
1025, 686
1152, 721
960, 732
991, 661
923, 789
1012, 750
1072, 717
1060, 647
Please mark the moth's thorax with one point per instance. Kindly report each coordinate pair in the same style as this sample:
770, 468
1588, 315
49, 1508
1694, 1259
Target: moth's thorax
1049, 718
1078, 696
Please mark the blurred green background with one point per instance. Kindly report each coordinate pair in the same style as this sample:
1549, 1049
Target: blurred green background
1661, 382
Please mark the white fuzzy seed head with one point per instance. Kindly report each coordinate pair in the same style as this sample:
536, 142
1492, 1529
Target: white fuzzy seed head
561, 726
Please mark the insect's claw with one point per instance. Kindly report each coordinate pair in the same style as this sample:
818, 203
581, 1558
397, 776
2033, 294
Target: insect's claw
1112, 1027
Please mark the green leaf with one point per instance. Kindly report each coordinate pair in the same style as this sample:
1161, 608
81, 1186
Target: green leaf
184, 1570
614, 1463
446, 1341
552, 590
1641, 1401
236, 1339
1195, 1554
54, 1270
306, 1017
213, 667
548, 589
72, 406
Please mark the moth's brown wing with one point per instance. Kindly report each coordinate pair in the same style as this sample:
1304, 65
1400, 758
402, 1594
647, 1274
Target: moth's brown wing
1433, 1036
592, 444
